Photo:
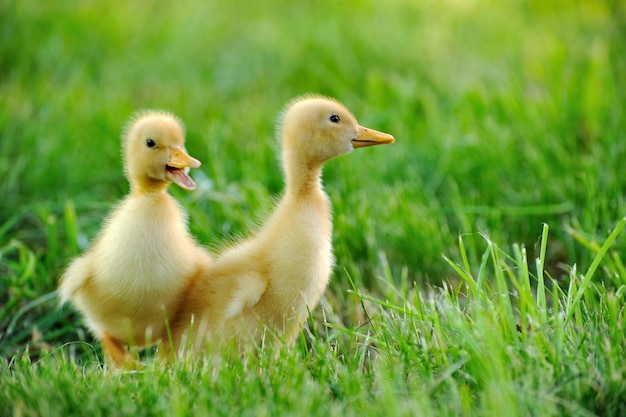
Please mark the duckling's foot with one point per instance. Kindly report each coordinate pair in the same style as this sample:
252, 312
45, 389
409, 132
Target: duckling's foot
116, 354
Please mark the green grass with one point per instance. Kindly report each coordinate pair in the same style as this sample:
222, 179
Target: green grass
480, 259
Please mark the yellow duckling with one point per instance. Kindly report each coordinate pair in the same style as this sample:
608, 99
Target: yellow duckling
272, 278
128, 282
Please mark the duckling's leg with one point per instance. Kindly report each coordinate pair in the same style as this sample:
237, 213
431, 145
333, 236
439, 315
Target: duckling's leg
115, 352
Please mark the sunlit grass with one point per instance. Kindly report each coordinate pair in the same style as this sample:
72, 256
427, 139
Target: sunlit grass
492, 346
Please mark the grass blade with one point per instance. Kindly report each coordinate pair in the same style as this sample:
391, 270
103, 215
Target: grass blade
573, 307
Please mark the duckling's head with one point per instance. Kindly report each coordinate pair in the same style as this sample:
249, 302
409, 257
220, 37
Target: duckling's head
315, 129
154, 152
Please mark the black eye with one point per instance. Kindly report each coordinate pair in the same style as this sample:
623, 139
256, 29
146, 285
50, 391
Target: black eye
334, 118
150, 143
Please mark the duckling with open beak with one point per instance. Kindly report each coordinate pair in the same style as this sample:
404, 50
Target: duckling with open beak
127, 284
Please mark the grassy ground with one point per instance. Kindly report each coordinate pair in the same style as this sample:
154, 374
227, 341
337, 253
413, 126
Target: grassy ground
509, 119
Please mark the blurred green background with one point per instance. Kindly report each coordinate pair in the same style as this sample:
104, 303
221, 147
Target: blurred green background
506, 115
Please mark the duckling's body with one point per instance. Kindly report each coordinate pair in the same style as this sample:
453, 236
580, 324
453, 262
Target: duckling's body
128, 283
272, 279
268, 280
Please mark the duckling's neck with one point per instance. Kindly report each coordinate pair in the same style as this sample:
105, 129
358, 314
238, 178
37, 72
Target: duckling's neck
303, 179
146, 186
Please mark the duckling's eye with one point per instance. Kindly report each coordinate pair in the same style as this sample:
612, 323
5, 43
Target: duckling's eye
334, 118
150, 143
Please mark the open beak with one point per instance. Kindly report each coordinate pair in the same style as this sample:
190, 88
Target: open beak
371, 137
178, 167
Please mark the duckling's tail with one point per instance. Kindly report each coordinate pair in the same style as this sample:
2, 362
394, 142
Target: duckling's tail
73, 279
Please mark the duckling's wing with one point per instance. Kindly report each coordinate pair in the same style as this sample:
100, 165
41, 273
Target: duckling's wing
249, 289
74, 278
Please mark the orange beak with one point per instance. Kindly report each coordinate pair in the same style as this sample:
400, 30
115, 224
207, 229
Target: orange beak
371, 137
178, 167
179, 158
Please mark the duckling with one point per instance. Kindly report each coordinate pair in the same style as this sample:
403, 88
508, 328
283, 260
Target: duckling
127, 282
272, 279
